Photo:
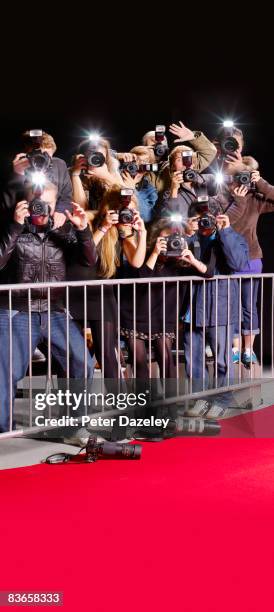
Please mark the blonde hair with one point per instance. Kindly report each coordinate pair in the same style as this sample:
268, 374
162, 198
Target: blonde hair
179, 149
108, 251
142, 151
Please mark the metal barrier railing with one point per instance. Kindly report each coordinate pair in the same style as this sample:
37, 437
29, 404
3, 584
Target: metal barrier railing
13, 322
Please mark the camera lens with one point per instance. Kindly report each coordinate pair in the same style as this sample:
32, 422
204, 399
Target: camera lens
96, 159
175, 244
230, 145
160, 150
189, 175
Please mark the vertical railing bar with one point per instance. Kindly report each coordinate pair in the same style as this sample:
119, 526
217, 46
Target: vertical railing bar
30, 358
191, 335
10, 361
262, 327
149, 327
49, 344
103, 334
119, 331
134, 330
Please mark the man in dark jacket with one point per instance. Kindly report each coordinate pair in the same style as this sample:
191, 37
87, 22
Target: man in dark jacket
57, 174
215, 305
31, 250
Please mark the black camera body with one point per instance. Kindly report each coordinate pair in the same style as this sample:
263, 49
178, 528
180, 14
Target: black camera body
160, 147
243, 178
131, 167
39, 161
175, 245
190, 176
126, 215
39, 208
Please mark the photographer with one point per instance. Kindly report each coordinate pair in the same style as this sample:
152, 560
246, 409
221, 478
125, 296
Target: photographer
31, 250
142, 180
56, 173
244, 205
114, 241
183, 190
168, 255
204, 152
90, 182
223, 251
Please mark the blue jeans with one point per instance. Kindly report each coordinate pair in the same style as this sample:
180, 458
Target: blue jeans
20, 351
224, 356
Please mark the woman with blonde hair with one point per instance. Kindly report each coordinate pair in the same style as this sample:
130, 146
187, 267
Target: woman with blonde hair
113, 240
90, 183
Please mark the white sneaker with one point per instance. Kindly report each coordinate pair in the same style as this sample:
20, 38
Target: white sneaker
199, 409
208, 352
38, 356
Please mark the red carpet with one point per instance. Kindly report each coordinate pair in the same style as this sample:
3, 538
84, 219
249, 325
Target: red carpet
189, 527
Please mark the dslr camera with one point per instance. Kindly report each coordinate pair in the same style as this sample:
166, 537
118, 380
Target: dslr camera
39, 208
175, 244
160, 147
228, 143
126, 215
94, 158
245, 178
207, 222
131, 167
39, 161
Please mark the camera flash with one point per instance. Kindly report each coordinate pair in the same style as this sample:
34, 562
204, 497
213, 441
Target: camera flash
176, 218
38, 178
219, 178
228, 123
94, 136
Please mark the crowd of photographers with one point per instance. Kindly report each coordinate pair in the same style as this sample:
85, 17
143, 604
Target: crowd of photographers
184, 208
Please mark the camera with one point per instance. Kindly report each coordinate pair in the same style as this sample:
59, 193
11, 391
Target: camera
243, 178
131, 167
160, 148
190, 176
117, 450
39, 208
95, 158
126, 215
175, 244
228, 143
207, 222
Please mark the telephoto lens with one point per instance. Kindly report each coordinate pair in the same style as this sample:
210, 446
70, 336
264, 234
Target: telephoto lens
115, 450
194, 426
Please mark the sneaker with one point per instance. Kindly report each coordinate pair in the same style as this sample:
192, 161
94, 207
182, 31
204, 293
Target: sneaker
216, 411
236, 356
199, 409
208, 352
248, 358
38, 356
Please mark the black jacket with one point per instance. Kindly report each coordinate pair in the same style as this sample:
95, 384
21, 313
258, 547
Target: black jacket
13, 190
29, 256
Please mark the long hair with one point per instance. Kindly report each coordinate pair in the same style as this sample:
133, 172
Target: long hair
157, 227
108, 247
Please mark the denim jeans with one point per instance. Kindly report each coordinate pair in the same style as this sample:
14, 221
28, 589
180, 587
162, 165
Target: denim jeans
224, 356
20, 351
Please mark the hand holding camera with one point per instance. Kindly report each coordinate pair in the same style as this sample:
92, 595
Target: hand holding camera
131, 181
138, 223
20, 164
176, 181
79, 165
241, 191
160, 246
21, 212
111, 218
222, 222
